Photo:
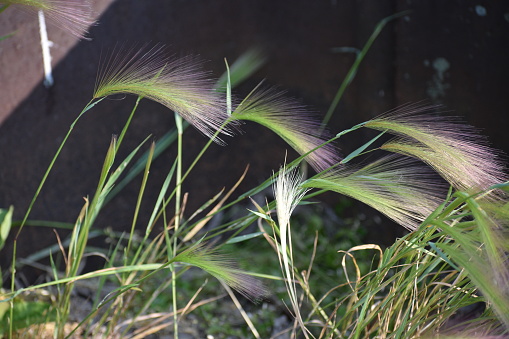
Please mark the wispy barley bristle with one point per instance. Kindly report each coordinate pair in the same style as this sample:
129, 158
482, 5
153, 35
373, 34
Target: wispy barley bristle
223, 268
299, 128
397, 186
288, 193
73, 16
454, 150
178, 84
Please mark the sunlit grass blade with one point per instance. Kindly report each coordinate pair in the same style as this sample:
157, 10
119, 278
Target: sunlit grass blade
73, 16
361, 149
397, 186
290, 120
410, 293
454, 150
228, 89
243, 67
482, 247
178, 84
5, 224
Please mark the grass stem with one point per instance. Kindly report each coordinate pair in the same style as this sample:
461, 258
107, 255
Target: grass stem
178, 193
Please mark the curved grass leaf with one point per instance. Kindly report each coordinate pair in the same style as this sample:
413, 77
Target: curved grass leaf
361, 149
355, 66
482, 250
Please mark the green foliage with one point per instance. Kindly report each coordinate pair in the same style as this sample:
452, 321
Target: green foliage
25, 314
398, 187
5, 224
481, 248
455, 256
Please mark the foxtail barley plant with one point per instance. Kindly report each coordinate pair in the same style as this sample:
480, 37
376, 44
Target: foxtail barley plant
453, 149
73, 16
292, 122
399, 187
178, 84
459, 224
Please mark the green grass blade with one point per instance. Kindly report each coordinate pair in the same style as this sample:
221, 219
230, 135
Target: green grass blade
140, 197
4, 7
340, 134
106, 188
91, 104
361, 149
128, 122
244, 67
45, 223
228, 90
443, 255
5, 224
160, 198
245, 237
161, 145
355, 66
7, 36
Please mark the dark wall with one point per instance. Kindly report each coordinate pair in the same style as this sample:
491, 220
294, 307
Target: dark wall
449, 52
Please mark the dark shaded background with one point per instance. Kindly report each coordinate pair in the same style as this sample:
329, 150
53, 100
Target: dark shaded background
453, 53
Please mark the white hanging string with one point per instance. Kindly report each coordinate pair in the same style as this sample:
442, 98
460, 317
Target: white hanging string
46, 55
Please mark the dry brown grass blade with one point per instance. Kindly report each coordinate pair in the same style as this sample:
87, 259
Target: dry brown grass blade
150, 329
209, 216
155, 326
241, 310
307, 291
61, 247
190, 302
345, 270
267, 237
